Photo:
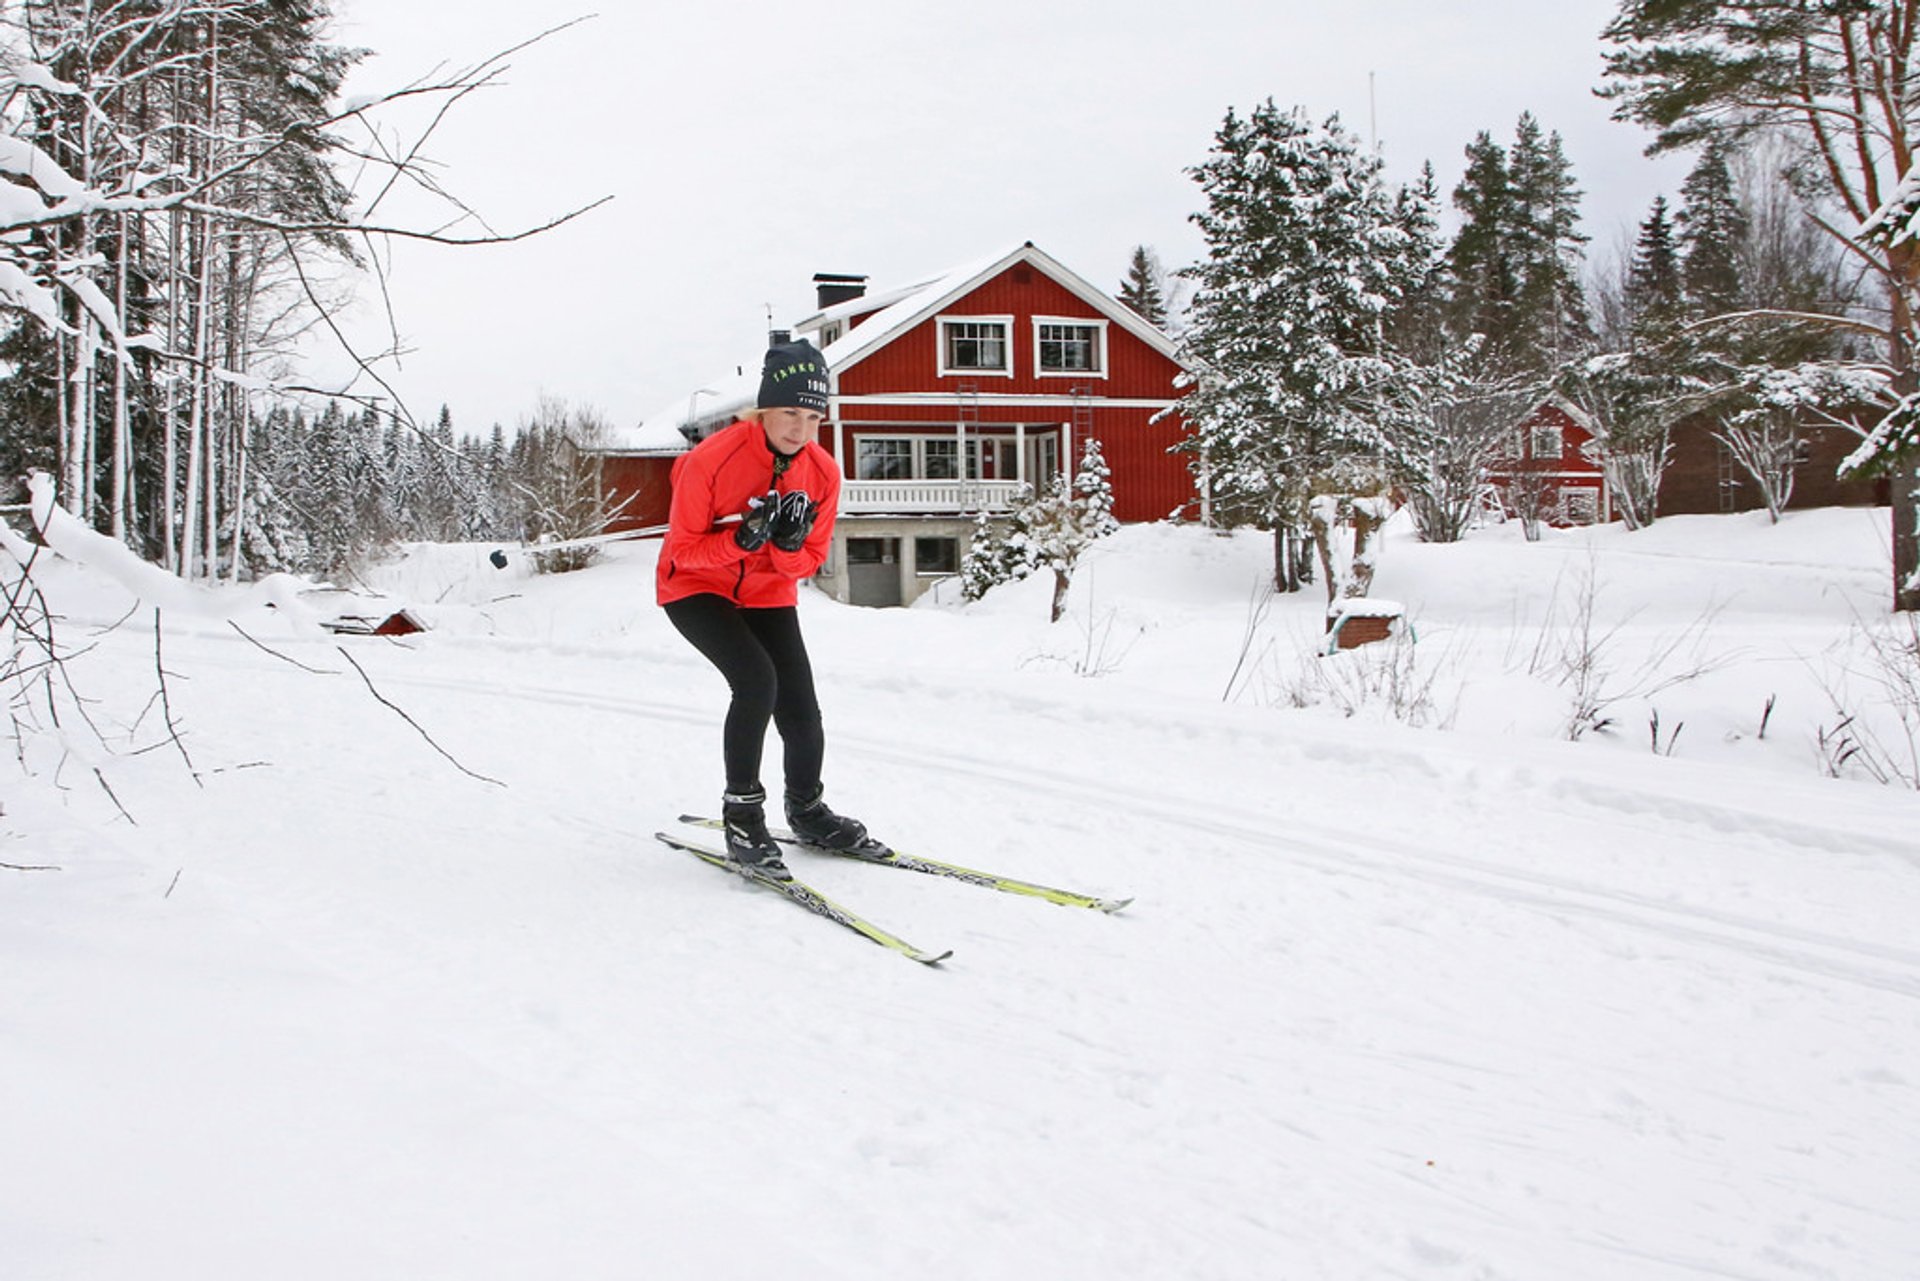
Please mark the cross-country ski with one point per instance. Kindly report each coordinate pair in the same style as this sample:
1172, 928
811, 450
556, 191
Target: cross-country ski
808, 897
889, 857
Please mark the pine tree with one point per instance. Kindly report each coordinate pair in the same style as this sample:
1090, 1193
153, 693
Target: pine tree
325, 487
1144, 288
1486, 278
1548, 246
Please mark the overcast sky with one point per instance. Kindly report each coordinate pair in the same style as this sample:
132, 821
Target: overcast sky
748, 145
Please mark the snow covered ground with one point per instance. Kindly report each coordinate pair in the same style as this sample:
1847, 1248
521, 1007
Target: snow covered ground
1459, 999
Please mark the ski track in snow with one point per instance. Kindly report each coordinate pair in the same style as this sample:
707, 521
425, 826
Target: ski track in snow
1308, 842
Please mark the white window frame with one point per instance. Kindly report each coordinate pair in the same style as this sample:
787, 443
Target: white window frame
1078, 322
914, 457
918, 457
832, 333
929, 445
1045, 464
1546, 432
1580, 505
940, 343
1006, 450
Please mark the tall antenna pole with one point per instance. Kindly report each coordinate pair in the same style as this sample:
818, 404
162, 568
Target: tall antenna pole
1373, 131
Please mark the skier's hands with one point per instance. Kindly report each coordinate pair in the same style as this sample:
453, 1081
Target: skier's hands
756, 523
793, 520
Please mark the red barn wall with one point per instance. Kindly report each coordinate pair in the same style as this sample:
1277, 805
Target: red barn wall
645, 477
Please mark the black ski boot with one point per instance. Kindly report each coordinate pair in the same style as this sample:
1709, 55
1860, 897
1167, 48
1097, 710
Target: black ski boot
815, 824
745, 816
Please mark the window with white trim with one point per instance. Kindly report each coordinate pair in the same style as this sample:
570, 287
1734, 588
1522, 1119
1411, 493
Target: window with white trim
1581, 506
1064, 346
907, 458
1545, 441
940, 459
976, 345
884, 458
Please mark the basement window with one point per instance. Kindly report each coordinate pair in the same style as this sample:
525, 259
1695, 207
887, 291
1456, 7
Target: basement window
936, 556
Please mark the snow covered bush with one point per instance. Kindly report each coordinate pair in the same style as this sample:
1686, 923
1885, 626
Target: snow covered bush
997, 555
1050, 531
1761, 425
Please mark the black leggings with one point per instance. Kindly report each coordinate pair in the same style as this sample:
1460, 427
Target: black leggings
764, 658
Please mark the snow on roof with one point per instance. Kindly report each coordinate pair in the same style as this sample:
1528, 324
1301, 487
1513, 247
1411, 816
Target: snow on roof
659, 432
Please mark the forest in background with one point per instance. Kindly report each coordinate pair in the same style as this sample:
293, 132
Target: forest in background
179, 221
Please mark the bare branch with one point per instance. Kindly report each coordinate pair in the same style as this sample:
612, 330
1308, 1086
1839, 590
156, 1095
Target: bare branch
401, 713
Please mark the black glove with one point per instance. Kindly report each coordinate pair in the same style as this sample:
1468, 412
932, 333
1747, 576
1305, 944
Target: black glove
756, 523
794, 521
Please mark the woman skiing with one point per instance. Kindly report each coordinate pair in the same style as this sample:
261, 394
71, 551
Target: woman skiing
752, 514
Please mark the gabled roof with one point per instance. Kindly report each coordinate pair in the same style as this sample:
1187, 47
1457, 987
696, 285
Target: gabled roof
889, 315
912, 306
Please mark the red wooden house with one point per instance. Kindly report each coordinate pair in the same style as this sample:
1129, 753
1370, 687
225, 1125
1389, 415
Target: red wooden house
949, 396
1549, 475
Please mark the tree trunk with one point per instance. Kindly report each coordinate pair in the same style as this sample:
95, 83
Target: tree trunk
1366, 523
1905, 480
1062, 579
122, 443
1906, 536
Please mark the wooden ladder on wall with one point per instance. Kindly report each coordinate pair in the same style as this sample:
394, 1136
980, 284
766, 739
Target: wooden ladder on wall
1082, 426
967, 414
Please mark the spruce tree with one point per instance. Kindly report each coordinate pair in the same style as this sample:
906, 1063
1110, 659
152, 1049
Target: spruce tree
1143, 290
1713, 235
1307, 256
1654, 288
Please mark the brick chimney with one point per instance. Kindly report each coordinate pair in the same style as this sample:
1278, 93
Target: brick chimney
832, 289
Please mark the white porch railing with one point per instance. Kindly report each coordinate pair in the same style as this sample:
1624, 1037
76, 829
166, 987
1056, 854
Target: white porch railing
928, 497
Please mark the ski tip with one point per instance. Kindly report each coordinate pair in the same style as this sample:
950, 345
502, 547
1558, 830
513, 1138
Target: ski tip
929, 958
1112, 905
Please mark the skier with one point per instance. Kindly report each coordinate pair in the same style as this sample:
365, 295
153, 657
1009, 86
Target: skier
752, 514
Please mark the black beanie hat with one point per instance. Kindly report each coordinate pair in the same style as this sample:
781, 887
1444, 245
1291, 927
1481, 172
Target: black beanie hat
794, 375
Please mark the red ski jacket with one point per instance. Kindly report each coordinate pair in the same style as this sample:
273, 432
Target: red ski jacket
715, 480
